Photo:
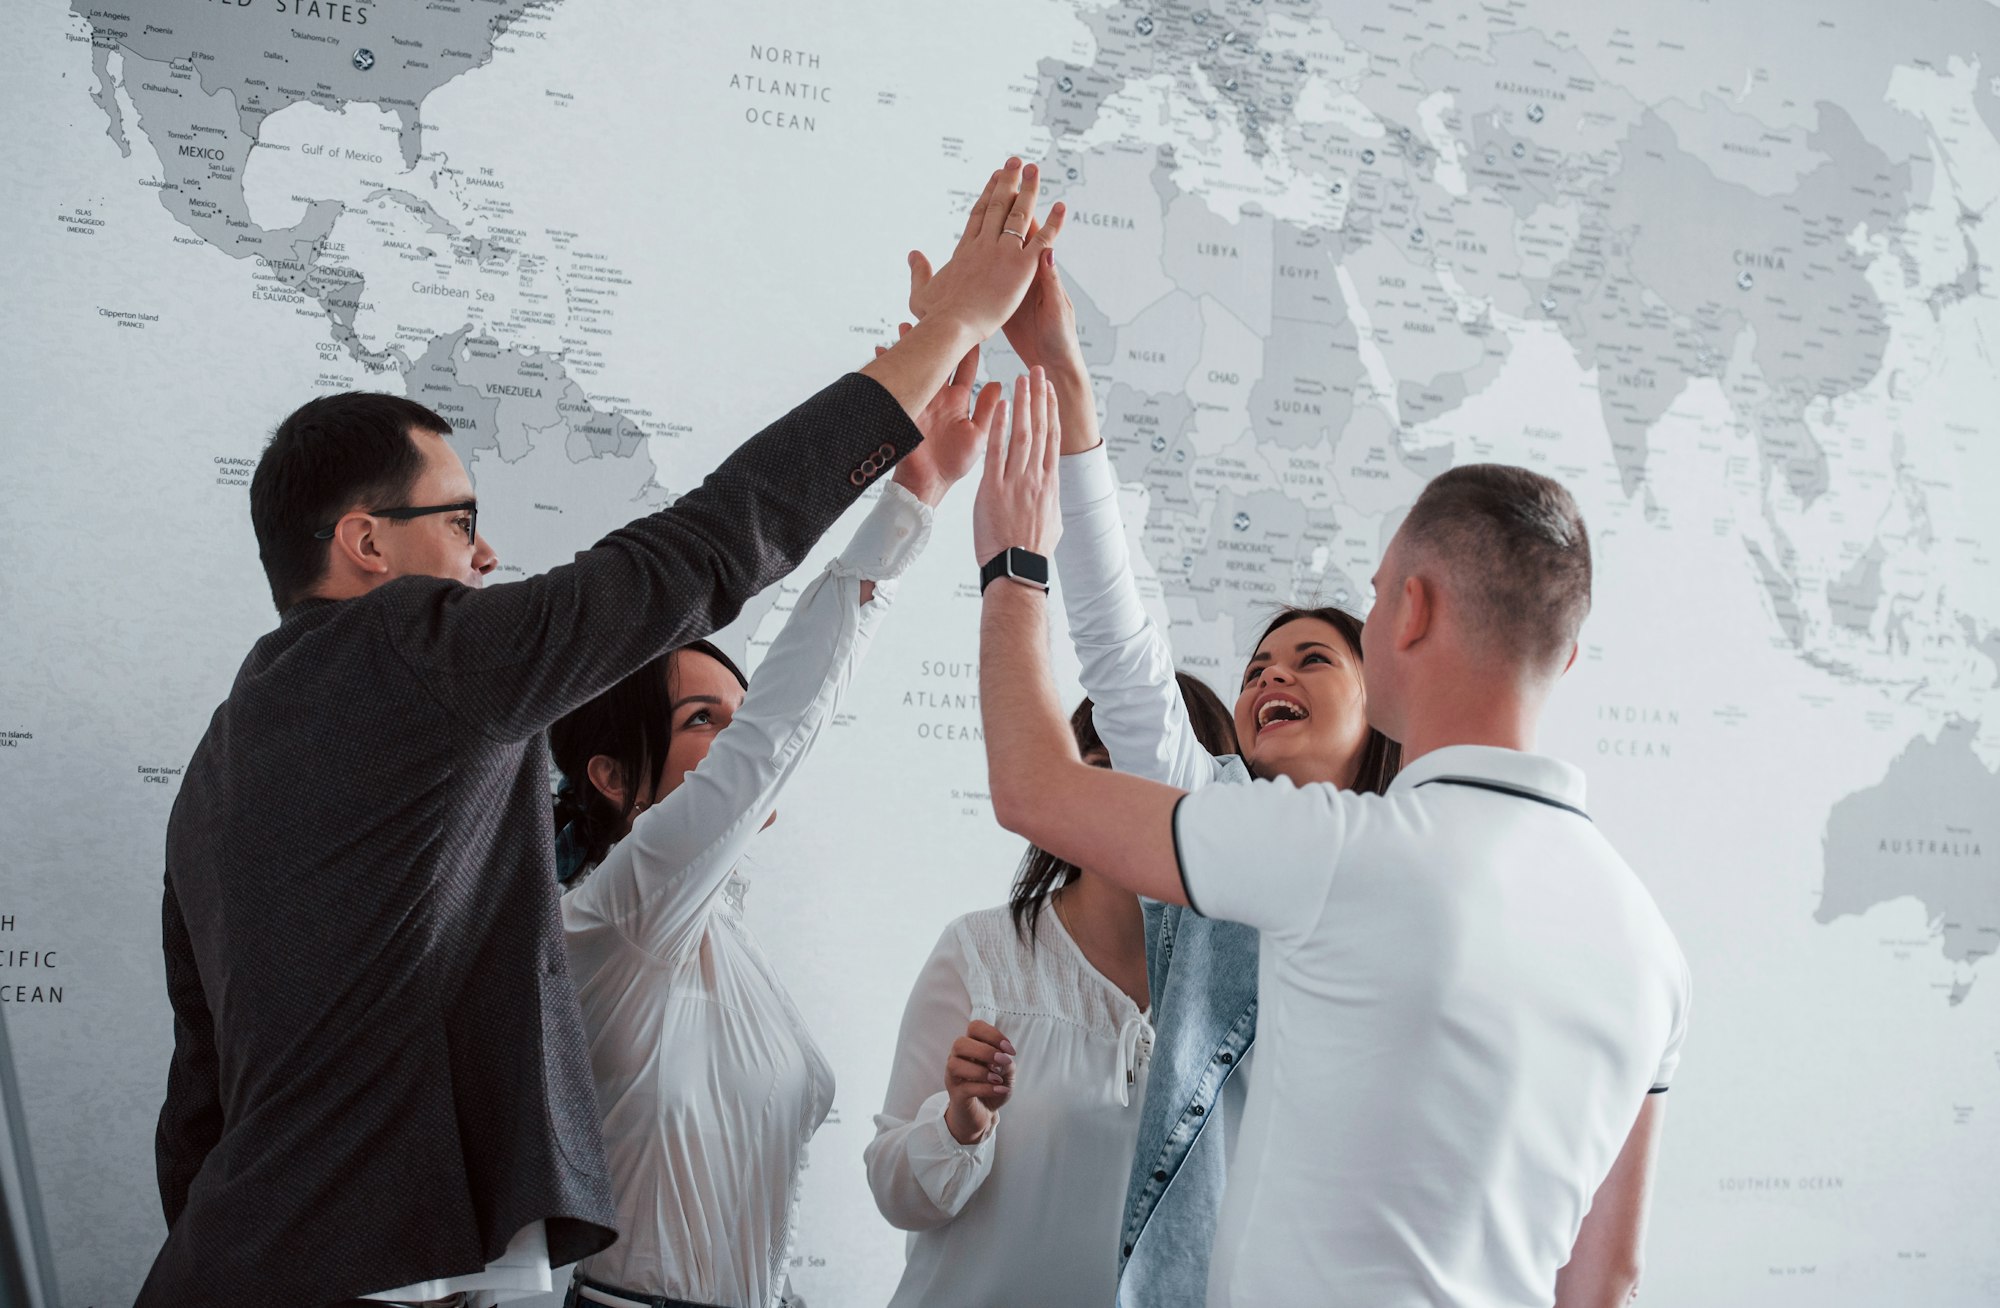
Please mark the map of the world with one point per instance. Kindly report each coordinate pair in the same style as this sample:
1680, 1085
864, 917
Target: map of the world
1723, 270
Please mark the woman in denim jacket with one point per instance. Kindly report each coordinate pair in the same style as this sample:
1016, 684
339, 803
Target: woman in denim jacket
1299, 714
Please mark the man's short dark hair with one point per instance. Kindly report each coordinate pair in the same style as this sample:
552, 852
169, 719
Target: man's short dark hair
331, 454
1514, 552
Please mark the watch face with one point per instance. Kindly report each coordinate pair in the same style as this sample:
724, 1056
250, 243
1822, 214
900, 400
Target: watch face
1028, 566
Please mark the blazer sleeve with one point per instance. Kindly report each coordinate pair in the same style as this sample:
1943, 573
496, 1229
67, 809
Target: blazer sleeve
511, 659
1127, 668
191, 1118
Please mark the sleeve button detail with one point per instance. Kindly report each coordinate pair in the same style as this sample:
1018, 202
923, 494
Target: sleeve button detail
872, 466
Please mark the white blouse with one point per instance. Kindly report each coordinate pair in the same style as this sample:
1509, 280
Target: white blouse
1030, 1214
708, 1082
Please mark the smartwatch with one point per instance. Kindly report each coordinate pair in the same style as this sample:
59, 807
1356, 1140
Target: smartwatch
1015, 562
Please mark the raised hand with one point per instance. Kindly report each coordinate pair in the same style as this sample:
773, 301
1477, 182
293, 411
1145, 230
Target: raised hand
955, 430
1018, 502
978, 1076
1043, 329
995, 258
966, 301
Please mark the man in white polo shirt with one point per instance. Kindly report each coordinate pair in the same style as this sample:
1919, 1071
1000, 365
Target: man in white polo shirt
1469, 1003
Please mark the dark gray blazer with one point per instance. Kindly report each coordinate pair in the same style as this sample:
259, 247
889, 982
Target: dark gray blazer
379, 1070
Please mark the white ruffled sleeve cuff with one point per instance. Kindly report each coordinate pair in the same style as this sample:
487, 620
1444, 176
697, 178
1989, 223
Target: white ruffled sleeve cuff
889, 538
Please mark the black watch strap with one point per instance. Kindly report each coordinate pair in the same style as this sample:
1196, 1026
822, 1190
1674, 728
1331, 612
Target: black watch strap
1015, 562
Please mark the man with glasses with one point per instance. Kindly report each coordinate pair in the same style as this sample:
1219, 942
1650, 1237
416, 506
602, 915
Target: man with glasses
378, 1083
380, 1087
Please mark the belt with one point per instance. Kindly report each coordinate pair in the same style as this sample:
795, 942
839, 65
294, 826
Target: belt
586, 1291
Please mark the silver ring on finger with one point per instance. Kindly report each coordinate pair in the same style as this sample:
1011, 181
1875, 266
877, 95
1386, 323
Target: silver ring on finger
1021, 236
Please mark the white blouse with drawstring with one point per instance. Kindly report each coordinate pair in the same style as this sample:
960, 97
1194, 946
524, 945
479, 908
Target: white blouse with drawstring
1031, 1213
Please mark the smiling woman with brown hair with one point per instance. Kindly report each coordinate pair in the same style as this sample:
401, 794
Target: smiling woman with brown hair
1268, 706
1299, 714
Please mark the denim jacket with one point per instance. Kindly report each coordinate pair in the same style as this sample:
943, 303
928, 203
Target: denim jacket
1202, 973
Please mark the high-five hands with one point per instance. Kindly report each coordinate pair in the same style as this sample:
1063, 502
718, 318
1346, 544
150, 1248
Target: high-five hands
978, 1076
955, 430
996, 256
1018, 502
1043, 333
968, 299
1043, 329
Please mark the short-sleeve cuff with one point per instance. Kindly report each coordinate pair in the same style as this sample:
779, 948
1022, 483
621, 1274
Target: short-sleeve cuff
1180, 863
1263, 854
889, 538
1086, 477
1670, 1061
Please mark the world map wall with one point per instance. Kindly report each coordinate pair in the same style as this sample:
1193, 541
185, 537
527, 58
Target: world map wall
1721, 269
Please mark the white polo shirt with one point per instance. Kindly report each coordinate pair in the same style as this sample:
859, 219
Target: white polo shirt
1464, 997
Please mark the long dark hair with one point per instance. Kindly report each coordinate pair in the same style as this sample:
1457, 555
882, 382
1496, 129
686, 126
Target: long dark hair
631, 724
1042, 873
1381, 757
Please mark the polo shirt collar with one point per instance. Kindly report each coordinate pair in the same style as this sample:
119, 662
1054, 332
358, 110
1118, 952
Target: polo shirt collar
1538, 774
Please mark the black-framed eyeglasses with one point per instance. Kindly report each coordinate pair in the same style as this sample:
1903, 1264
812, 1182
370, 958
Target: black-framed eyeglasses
470, 508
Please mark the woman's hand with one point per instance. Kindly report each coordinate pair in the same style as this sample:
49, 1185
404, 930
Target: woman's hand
979, 1075
996, 256
1019, 500
1043, 333
1043, 330
955, 431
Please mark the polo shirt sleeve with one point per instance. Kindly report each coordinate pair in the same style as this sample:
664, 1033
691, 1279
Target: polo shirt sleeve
1261, 853
1670, 1060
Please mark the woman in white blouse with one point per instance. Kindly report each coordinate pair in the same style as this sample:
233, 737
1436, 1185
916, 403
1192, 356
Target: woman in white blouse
708, 1081
1013, 1106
